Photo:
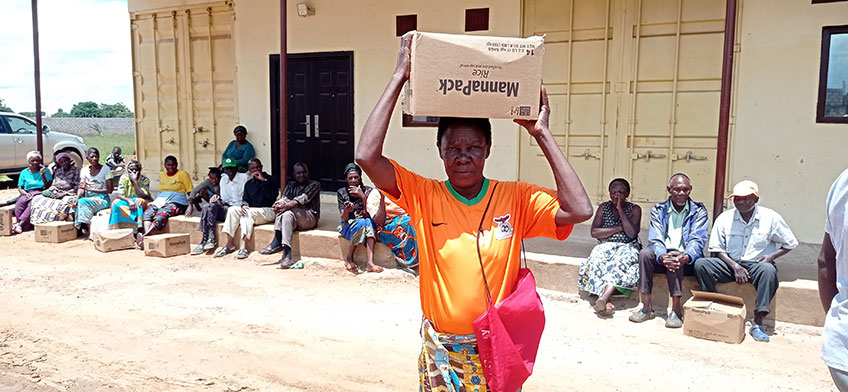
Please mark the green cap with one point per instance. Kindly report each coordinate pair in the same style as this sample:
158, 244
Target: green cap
229, 162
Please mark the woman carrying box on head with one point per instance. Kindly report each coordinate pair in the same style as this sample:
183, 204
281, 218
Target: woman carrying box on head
447, 218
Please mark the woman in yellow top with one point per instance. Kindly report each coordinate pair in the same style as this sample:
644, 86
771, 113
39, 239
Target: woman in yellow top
447, 215
172, 200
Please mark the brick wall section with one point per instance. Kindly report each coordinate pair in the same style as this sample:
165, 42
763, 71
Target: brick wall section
85, 126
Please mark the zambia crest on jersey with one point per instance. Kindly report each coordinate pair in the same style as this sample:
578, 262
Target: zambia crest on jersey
504, 230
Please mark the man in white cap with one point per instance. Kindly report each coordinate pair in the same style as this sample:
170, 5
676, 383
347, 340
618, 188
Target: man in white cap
748, 239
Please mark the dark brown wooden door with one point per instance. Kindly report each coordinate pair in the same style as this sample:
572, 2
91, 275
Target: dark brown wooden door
320, 114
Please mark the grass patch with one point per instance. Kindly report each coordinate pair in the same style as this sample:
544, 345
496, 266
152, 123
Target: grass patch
105, 143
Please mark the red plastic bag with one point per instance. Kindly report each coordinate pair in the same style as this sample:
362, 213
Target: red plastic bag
508, 335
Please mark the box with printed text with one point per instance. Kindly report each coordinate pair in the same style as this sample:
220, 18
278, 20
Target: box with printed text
474, 76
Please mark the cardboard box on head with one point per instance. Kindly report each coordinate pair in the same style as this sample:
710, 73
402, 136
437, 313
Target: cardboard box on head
55, 232
474, 76
112, 240
167, 245
715, 316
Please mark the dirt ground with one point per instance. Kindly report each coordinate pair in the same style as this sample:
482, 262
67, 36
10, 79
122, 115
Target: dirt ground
74, 319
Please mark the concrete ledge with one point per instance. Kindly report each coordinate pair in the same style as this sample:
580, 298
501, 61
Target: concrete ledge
796, 302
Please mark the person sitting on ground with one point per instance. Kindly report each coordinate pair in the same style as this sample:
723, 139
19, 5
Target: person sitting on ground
31, 182
232, 192
748, 239
115, 161
240, 149
395, 229
204, 191
833, 283
676, 238
56, 203
94, 189
299, 209
132, 198
172, 199
260, 192
613, 264
356, 225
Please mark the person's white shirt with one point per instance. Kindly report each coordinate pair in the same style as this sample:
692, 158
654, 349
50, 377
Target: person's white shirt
764, 232
835, 332
232, 190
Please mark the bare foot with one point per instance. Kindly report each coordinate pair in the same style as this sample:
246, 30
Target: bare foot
374, 268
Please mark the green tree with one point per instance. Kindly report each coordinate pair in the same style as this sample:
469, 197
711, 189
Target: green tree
60, 113
116, 110
32, 114
3, 107
85, 109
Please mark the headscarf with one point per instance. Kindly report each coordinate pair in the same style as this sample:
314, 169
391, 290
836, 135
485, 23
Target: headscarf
33, 154
351, 167
63, 155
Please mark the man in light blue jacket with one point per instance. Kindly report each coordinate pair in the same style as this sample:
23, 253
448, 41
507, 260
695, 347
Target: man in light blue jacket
676, 238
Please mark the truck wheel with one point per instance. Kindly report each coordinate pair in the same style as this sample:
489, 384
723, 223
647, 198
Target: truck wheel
75, 157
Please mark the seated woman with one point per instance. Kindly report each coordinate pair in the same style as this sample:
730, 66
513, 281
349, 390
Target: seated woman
394, 229
94, 189
240, 149
356, 224
172, 200
133, 195
32, 181
57, 202
614, 262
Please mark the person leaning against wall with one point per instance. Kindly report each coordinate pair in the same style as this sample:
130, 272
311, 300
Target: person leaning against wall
833, 283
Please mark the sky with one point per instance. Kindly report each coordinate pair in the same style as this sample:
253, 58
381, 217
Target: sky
837, 69
85, 54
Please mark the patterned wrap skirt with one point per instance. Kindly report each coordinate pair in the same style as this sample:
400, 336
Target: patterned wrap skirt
400, 236
123, 216
449, 363
610, 263
45, 209
357, 230
88, 206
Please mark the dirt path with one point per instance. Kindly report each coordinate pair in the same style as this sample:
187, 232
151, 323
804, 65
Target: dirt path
74, 319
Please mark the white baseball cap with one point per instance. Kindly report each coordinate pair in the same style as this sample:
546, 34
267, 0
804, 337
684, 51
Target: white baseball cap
745, 188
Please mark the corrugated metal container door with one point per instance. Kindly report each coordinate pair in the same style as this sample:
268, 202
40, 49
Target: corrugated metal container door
184, 75
634, 88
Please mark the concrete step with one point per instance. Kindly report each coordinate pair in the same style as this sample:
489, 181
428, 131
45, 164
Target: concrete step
796, 301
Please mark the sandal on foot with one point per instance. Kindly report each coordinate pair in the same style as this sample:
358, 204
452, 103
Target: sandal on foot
269, 250
375, 269
351, 267
759, 333
242, 254
224, 251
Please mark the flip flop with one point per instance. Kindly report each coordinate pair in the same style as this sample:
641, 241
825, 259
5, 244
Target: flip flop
242, 254
759, 333
351, 267
376, 269
223, 252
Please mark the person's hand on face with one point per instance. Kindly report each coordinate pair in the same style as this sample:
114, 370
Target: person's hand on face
356, 191
255, 171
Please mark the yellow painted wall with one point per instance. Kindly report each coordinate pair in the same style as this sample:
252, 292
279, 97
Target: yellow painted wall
776, 141
366, 27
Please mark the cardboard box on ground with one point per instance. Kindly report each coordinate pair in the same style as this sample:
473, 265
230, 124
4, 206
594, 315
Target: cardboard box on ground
6, 220
55, 232
715, 316
112, 240
167, 245
474, 76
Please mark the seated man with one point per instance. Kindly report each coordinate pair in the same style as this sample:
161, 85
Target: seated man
676, 239
260, 192
299, 209
747, 239
204, 191
232, 192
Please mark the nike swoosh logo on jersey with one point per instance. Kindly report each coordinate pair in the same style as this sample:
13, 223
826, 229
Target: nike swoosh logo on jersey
436, 224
